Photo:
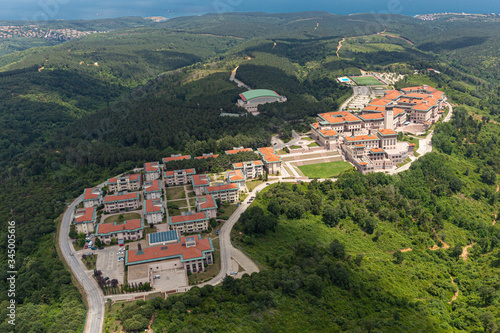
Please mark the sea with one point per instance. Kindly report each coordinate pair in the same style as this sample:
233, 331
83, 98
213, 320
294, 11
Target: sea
96, 9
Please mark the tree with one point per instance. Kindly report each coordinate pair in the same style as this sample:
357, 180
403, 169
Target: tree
98, 242
487, 294
398, 257
489, 177
337, 249
314, 285
72, 232
331, 216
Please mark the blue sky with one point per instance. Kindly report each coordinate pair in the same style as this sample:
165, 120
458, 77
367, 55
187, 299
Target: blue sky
90, 9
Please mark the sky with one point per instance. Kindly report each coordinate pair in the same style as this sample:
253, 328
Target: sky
92, 9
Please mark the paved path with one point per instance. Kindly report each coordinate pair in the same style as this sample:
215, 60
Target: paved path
238, 82
95, 297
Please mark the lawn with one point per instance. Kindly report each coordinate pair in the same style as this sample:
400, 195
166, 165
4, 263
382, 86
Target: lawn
253, 184
366, 81
124, 217
211, 270
174, 193
295, 147
325, 170
313, 144
226, 211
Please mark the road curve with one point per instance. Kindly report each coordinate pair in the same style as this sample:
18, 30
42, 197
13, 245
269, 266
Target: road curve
95, 297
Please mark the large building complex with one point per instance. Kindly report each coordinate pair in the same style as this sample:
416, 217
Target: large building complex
176, 157
250, 100
225, 192
92, 197
207, 204
272, 161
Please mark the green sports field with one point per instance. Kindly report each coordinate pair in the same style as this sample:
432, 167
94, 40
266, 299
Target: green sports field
366, 80
325, 170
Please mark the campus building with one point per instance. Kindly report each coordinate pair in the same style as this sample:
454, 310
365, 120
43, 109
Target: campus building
200, 183
163, 237
236, 177
125, 183
152, 171
250, 100
207, 204
252, 169
377, 151
121, 202
191, 253
152, 189
128, 231
153, 211
92, 197
189, 223
176, 157
85, 220
207, 156
178, 177
225, 192
272, 162
237, 150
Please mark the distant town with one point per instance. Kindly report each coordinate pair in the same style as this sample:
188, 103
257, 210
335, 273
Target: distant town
33, 31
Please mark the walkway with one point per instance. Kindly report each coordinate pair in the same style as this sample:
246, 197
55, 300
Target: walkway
233, 78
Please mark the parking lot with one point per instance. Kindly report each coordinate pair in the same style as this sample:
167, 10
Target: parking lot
108, 264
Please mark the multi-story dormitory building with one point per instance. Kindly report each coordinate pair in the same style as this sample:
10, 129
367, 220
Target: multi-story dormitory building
125, 183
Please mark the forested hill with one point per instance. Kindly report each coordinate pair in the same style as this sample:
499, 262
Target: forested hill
76, 113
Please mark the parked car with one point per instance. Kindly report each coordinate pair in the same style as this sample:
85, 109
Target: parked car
234, 273
121, 249
217, 231
106, 278
120, 259
268, 183
89, 253
156, 277
86, 247
93, 248
101, 248
119, 253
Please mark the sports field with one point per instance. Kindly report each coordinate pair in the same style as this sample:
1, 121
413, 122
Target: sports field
325, 170
366, 80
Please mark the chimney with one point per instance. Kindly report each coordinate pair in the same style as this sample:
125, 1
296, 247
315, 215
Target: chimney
139, 247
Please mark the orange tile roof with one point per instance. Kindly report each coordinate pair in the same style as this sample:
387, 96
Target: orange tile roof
386, 131
176, 158
417, 95
421, 107
407, 100
269, 154
397, 111
133, 177
179, 249
128, 196
88, 215
155, 186
361, 138
187, 171
200, 180
377, 150
380, 102
372, 116
392, 94
188, 218
206, 156
339, 117
315, 125
411, 144
206, 202
235, 175
374, 108
150, 207
235, 151
88, 195
359, 145
221, 188
328, 132
255, 163
106, 228
151, 167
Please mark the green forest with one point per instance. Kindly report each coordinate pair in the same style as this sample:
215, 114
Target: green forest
334, 256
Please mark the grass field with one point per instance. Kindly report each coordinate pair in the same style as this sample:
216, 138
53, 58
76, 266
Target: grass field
313, 144
174, 193
325, 170
366, 80
126, 217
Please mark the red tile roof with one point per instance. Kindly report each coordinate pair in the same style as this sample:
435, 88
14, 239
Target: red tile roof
328, 132
417, 95
386, 131
133, 177
172, 250
176, 158
155, 186
269, 155
372, 116
339, 117
150, 206
188, 218
106, 228
361, 138
235, 151
222, 187
374, 108
206, 156
380, 102
392, 94
255, 163
206, 202
235, 175
359, 146
88, 214
88, 195
200, 180
128, 196
151, 167
377, 150
315, 125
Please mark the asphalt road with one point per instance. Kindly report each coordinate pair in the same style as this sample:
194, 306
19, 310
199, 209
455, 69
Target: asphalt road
95, 298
